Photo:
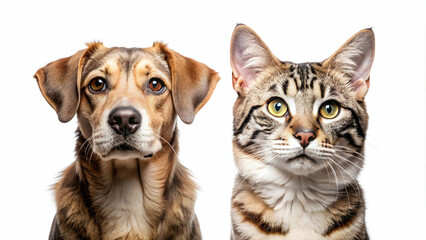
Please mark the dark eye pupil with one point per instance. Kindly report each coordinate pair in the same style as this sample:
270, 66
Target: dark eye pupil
154, 83
278, 106
329, 109
98, 82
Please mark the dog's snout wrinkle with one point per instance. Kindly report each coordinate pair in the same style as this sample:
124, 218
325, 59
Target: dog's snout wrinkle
125, 120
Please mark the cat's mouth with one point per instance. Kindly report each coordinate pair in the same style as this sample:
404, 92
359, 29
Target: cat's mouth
302, 158
302, 165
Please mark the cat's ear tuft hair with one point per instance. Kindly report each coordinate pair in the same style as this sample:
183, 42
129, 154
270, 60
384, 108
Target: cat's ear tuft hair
249, 56
354, 59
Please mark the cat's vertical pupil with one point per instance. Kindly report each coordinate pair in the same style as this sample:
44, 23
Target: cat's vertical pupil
329, 109
278, 106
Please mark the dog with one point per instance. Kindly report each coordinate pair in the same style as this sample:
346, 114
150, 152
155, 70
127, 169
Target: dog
126, 181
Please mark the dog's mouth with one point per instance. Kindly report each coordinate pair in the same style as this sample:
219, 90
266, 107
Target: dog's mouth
127, 149
123, 147
133, 147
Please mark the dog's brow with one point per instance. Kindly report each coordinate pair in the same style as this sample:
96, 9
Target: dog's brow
90, 66
93, 63
162, 64
154, 60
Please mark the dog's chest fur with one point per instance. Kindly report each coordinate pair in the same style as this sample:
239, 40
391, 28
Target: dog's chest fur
125, 199
122, 202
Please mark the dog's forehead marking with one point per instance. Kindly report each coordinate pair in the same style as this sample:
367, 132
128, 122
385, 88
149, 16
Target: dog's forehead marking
128, 60
146, 59
148, 67
111, 65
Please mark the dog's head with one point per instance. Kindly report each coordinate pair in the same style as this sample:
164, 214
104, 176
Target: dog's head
126, 99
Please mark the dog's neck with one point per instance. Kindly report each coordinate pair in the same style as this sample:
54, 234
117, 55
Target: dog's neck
129, 189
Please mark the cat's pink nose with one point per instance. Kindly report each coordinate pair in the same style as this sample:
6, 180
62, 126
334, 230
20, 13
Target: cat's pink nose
305, 137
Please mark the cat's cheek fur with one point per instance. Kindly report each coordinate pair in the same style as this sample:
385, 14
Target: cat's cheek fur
246, 164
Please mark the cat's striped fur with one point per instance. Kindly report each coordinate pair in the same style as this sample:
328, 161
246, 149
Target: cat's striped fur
283, 189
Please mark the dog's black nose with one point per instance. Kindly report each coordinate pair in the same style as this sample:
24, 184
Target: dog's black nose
125, 120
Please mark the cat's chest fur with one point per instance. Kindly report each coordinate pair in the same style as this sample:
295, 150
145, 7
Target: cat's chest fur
298, 204
303, 218
271, 204
301, 225
294, 194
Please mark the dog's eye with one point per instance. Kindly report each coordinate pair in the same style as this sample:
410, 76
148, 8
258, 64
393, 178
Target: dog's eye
98, 84
156, 85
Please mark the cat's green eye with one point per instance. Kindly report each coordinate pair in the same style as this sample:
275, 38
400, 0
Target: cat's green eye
329, 109
277, 107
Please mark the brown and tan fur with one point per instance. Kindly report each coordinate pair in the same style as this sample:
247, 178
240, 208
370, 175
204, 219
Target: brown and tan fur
115, 193
289, 186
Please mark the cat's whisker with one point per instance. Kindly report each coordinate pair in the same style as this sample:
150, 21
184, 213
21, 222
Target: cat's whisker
373, 146
344, 185
350, 150
276, 159
348, 161
353, 179
349, 155
328, 173
335, 178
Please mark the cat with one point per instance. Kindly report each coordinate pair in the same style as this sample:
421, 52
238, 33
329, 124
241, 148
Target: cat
298, 143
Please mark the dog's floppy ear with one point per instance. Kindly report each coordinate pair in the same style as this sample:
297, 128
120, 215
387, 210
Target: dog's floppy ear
192, 83
59, 82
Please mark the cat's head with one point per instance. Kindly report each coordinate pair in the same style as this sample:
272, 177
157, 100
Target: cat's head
301, 118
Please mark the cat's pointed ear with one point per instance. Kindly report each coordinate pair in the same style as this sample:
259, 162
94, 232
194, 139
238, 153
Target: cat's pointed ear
354, 59
249, 56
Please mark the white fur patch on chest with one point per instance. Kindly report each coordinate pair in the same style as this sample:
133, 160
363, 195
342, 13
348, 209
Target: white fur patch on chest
298, 193
300, 206
123, 206
299, 203
301, 224
283, 190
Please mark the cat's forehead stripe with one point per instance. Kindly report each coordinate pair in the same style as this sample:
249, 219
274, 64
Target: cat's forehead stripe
285, 86
300, 77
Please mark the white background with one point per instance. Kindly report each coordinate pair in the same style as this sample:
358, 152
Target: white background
35, 146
